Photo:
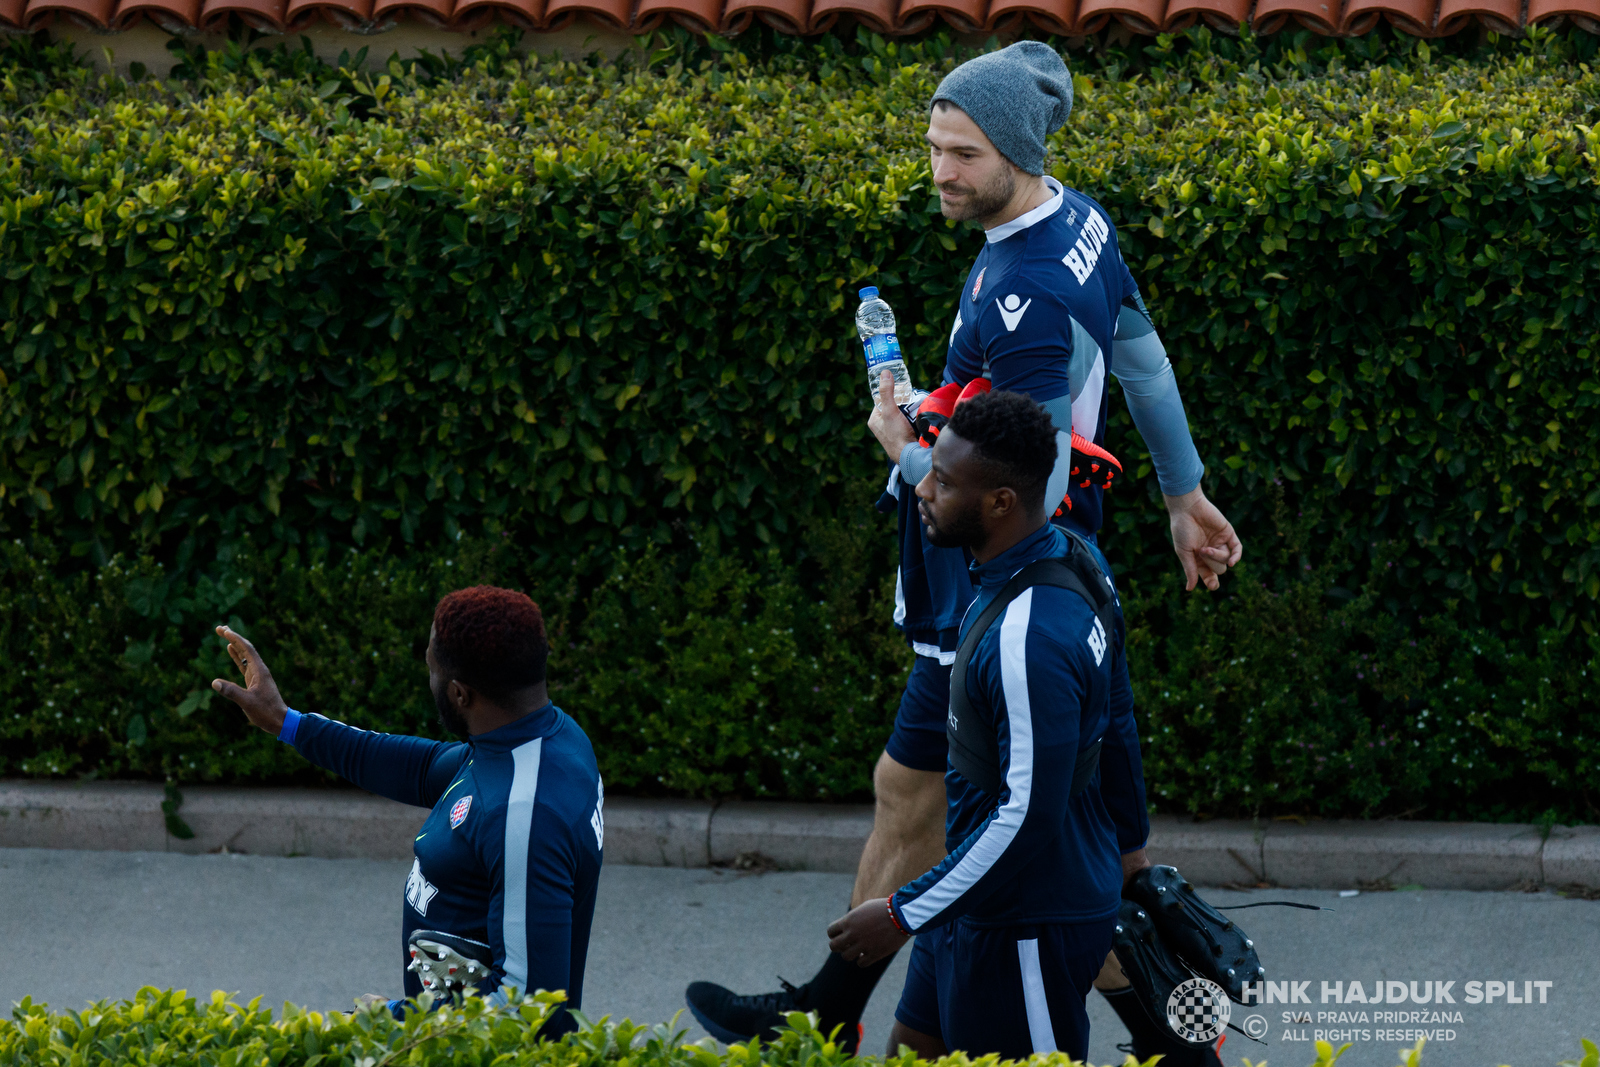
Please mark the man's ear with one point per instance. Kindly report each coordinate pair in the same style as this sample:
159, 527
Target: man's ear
1002, 502
460, 695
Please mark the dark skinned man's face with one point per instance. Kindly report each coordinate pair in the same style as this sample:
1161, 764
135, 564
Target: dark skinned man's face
951, 500
450, 719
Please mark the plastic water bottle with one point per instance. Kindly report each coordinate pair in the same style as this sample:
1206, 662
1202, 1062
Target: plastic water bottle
875, 327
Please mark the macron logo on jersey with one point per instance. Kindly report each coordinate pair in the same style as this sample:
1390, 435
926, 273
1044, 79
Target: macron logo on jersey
1011, 313
1086, 253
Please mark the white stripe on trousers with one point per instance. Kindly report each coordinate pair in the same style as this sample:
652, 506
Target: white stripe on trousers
1040, 1031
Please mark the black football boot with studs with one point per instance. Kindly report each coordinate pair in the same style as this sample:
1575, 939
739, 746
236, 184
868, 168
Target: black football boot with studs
1154, 972
1210, 943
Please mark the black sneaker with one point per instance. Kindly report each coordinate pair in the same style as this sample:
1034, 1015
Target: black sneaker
729, 1017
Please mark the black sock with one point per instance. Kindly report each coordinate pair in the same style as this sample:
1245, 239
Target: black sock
840, 991
1150, 1039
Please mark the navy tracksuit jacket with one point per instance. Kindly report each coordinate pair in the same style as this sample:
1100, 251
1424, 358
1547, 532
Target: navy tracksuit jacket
509, 855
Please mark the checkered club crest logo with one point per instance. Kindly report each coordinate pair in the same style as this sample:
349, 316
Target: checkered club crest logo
1198, 1011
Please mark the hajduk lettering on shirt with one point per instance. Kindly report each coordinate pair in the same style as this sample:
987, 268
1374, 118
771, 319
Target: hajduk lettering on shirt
1086, 253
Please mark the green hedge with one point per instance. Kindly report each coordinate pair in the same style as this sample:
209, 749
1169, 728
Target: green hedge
263, 313
159, 1028
723, 676
583, 302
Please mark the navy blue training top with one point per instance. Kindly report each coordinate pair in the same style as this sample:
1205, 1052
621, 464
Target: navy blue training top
1038, 315
510, 853
932, 586
1037, 854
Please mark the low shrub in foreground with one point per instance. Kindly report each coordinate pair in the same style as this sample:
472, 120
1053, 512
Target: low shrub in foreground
169, 1028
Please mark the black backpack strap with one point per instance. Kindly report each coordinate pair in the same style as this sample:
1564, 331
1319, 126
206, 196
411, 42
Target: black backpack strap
974, 744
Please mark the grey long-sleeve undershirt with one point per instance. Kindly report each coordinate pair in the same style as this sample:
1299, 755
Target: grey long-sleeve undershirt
1139, 362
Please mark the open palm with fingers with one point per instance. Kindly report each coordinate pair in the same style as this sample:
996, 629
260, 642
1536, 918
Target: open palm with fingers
259, 696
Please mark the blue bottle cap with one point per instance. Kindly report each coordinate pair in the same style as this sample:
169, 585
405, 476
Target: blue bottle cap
869, 293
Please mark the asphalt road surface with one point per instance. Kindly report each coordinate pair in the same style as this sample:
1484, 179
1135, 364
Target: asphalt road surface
93, 925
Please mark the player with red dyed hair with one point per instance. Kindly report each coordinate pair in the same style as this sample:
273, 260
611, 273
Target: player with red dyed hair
501, 893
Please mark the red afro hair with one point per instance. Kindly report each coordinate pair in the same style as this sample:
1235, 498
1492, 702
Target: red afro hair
491, 639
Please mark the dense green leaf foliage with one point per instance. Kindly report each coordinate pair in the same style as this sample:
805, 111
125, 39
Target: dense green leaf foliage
722, 677
582, 302
264, 312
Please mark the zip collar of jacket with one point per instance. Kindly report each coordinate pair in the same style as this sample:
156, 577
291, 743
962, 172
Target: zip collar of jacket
541, 722
1043, 543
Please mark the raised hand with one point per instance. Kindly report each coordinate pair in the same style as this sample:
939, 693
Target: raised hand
259, 697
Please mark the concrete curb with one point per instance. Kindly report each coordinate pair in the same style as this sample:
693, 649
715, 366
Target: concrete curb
337, 824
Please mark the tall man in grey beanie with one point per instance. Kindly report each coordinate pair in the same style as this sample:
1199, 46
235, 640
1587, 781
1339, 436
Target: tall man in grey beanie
1048, 309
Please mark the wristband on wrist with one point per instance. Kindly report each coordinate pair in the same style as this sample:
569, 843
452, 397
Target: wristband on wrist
893, 918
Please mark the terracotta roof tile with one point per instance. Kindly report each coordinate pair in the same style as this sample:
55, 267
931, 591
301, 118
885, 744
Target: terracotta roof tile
1073, 18
1320, 16
435, 13
1140, 16
526, 14
1501, 16
346, 14
617, 14
264, 15
1223, 15
879, 16
966, 16
95, 14
697, 16
1415, 17
1051, 16
911, 19
174, 16
785, 16
1584, 13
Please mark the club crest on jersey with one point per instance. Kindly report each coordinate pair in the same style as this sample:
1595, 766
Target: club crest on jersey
977, 286
458, 814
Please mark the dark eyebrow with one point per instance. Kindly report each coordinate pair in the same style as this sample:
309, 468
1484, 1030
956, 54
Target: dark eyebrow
953, 148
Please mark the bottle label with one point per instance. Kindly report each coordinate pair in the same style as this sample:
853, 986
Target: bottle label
881, 348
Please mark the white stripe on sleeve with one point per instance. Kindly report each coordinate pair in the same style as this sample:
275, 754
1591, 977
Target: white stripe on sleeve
1040, 1032
1086, 399
519, 828
1002, 830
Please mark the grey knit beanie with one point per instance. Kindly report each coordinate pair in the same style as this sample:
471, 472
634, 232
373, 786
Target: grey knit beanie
1018, 96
